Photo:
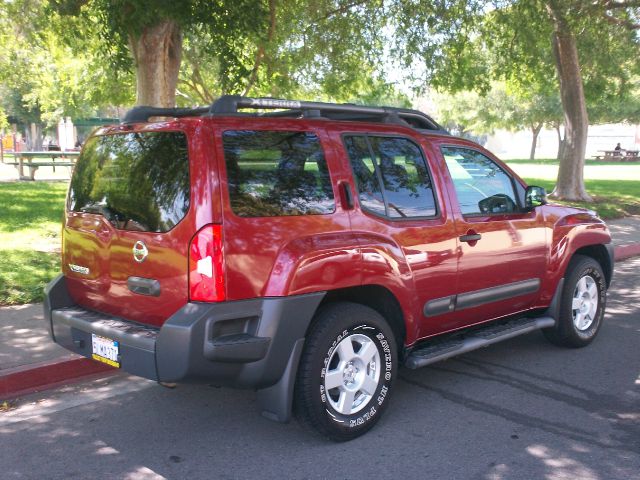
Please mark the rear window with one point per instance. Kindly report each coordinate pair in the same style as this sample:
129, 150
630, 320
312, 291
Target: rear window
137, 181
276, 173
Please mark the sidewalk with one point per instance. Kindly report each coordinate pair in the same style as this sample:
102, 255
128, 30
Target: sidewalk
626, 236
30, 361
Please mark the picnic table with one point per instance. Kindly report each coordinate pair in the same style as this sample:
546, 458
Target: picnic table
27, 159
619, 155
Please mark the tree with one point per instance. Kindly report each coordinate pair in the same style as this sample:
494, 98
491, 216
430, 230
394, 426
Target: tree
591, 47
146, 36
261, 52
43, 78
3, 120
502, 107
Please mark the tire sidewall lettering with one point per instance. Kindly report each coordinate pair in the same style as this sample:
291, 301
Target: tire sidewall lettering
378, 399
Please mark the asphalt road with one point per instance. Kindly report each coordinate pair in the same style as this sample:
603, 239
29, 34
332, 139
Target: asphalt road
523, 409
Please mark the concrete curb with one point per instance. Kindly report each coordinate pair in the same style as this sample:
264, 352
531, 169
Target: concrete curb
18, 381
73, 368
623, 252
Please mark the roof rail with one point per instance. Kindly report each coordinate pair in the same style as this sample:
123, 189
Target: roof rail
142, 114
232, 104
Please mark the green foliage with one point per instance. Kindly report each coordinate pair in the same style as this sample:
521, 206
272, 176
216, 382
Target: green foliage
4, 123
458, 45
438, 45
502, 107
44, 75
323, 50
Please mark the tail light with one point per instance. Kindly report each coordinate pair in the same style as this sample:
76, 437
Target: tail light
206, 265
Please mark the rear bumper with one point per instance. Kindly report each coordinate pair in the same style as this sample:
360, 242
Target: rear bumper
244, 344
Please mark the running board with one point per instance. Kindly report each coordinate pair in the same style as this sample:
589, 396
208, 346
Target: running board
483, 337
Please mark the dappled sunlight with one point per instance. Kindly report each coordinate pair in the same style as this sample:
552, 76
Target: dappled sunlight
623, 297
24, 274
143, 473
29, 206
39, 412
24, 337
625, 231
498, 472
560, 466
104, 449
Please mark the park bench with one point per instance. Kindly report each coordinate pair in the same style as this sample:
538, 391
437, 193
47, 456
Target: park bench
618, 155
66, 159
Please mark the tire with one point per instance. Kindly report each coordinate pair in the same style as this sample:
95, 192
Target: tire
582, 304
346, 371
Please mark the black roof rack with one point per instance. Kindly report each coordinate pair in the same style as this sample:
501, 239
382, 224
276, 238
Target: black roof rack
232, 104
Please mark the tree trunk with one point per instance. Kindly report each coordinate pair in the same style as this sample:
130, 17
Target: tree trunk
33, 136
535, 129
157, 52
570, 183
560, 143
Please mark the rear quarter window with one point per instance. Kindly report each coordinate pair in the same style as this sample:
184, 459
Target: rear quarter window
276, 173
137, 181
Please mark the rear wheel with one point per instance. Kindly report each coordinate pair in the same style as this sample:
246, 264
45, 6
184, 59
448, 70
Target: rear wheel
346, 371
582, 305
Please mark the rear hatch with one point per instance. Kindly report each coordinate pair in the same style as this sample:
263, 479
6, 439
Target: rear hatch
127, 227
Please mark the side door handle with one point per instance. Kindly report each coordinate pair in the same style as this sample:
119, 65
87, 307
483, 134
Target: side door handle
471, 237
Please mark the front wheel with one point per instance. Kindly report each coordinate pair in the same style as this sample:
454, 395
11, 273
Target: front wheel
346, 371
582, 305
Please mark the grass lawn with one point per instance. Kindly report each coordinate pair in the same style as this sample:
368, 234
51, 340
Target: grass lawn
615, 187
612, 198
554, 161
30, 224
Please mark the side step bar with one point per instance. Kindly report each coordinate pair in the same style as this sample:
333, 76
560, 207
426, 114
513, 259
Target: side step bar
483, 337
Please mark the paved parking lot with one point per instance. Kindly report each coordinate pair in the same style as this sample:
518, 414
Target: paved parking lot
523, 409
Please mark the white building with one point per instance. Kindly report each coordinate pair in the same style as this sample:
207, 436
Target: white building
509, 145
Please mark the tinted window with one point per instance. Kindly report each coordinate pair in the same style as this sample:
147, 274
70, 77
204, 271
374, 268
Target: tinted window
364, 171
395, 182
138, 181
276, 173
481, 185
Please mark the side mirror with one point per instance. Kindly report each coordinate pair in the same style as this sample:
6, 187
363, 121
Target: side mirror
534, 197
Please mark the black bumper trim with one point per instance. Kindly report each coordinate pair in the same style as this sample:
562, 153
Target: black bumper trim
244, 344
134, 334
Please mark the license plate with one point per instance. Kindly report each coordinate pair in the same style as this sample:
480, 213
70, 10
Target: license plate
105, 350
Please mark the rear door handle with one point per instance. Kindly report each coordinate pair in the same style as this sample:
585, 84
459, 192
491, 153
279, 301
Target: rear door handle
473, 237
144, 286
346, 196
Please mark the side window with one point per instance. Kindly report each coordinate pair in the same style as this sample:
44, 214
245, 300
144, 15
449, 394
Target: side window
391, 176
482, 187
365, 175
276, 173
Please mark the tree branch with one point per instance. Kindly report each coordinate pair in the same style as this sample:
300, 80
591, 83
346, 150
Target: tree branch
333, 12
610, 4
621, 21
197, 83
260, 53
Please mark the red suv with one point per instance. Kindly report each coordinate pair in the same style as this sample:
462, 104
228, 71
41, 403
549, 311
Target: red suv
307, 250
